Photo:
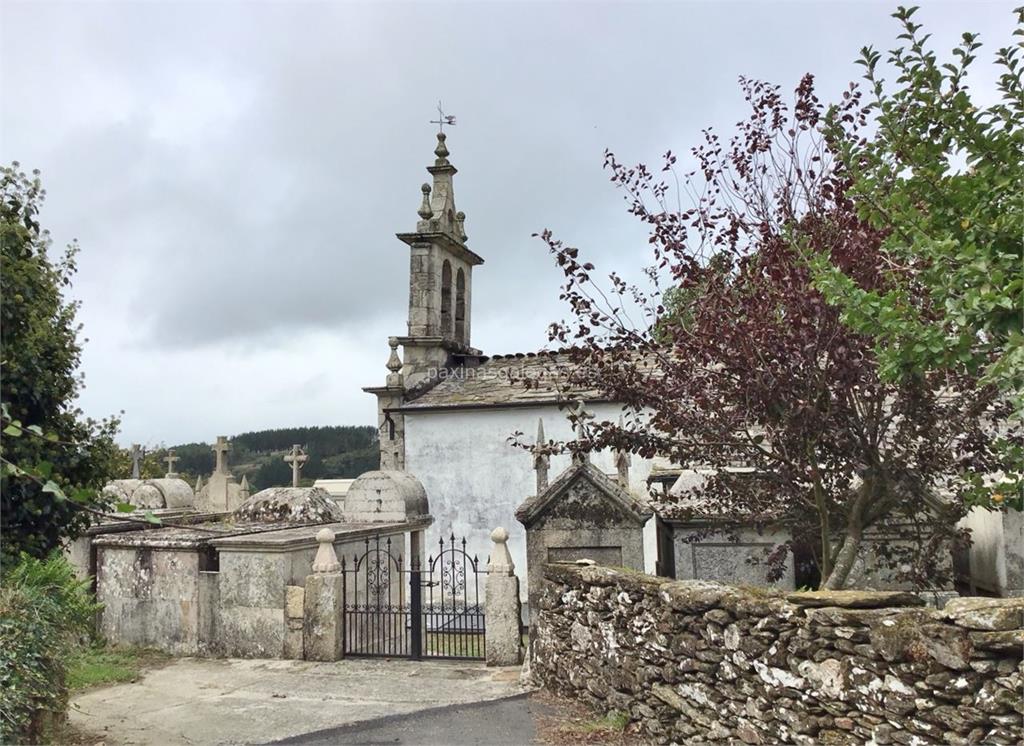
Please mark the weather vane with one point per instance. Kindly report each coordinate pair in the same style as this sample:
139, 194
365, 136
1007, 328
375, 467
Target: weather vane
442, 119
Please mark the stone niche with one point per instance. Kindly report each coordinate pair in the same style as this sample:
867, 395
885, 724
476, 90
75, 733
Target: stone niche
582, 515
160, 588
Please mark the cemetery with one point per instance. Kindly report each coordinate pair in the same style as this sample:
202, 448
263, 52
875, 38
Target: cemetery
265, 581
756, 478
636, 595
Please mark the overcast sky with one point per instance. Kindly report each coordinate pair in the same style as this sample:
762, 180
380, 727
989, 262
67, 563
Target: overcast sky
235, 173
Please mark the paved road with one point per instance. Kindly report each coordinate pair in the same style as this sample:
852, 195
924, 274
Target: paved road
202, 702
504, 722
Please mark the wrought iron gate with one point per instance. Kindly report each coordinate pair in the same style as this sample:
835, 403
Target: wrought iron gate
393, 610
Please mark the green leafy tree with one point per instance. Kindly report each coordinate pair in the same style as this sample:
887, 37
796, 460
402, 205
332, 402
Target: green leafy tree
153, 464
53, 459
944, 177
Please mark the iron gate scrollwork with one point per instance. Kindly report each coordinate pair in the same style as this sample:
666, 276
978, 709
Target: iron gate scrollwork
395, 610
375, 613
453, 617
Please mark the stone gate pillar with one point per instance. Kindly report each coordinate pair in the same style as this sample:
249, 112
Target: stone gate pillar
502, 605
324, 604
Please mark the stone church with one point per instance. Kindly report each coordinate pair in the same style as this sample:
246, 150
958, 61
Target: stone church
447, 410
447, 413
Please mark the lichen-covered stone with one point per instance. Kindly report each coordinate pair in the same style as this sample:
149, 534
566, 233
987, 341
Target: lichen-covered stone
986, 613
289, 505
853, 599
699, 662
999, 642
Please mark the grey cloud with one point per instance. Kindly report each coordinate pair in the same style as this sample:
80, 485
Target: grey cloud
236, 172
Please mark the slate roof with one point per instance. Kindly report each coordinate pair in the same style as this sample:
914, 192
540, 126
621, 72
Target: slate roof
503, 381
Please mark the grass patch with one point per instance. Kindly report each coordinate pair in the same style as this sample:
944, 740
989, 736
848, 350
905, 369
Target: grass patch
455, 644
613, 722
566, 722
96, 666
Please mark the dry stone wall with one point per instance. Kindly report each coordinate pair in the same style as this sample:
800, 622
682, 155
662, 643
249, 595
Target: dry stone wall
693, 661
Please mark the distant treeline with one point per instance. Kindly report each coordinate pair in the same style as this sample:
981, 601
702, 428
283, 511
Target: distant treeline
335, 452
328, 439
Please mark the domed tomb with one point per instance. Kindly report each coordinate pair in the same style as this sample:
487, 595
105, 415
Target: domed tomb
151, 494
289, 505
386, 496
120, 490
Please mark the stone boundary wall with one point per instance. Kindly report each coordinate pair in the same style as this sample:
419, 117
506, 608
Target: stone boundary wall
693, 661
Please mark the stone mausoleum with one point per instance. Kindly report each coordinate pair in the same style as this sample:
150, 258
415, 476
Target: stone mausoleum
581, 515
232, 583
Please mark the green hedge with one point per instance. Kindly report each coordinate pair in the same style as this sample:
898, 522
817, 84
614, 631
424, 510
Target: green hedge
45, 612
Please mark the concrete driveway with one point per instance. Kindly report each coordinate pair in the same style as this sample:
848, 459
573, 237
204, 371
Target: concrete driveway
227, 701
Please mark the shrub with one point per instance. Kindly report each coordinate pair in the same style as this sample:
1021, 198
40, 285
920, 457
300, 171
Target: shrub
45, 611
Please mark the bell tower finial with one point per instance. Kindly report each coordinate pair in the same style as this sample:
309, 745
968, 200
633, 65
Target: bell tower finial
441, 121
441, 271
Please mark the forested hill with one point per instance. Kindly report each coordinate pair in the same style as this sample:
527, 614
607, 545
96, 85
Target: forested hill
330, 439
335, 452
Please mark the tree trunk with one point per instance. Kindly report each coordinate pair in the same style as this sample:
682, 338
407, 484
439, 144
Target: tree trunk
847, 554
845, 558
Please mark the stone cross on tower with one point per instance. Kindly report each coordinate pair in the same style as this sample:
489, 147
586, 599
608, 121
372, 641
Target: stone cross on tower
221, 448
137, 454
171, 460
442, 119
296, 458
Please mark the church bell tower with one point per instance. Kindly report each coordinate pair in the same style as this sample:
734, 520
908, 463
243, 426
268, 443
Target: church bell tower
440, 293
440, 277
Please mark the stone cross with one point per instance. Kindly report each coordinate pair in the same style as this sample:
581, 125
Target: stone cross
579, 416
622, 462
221, 448
171, 460
137, 454
296, 458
